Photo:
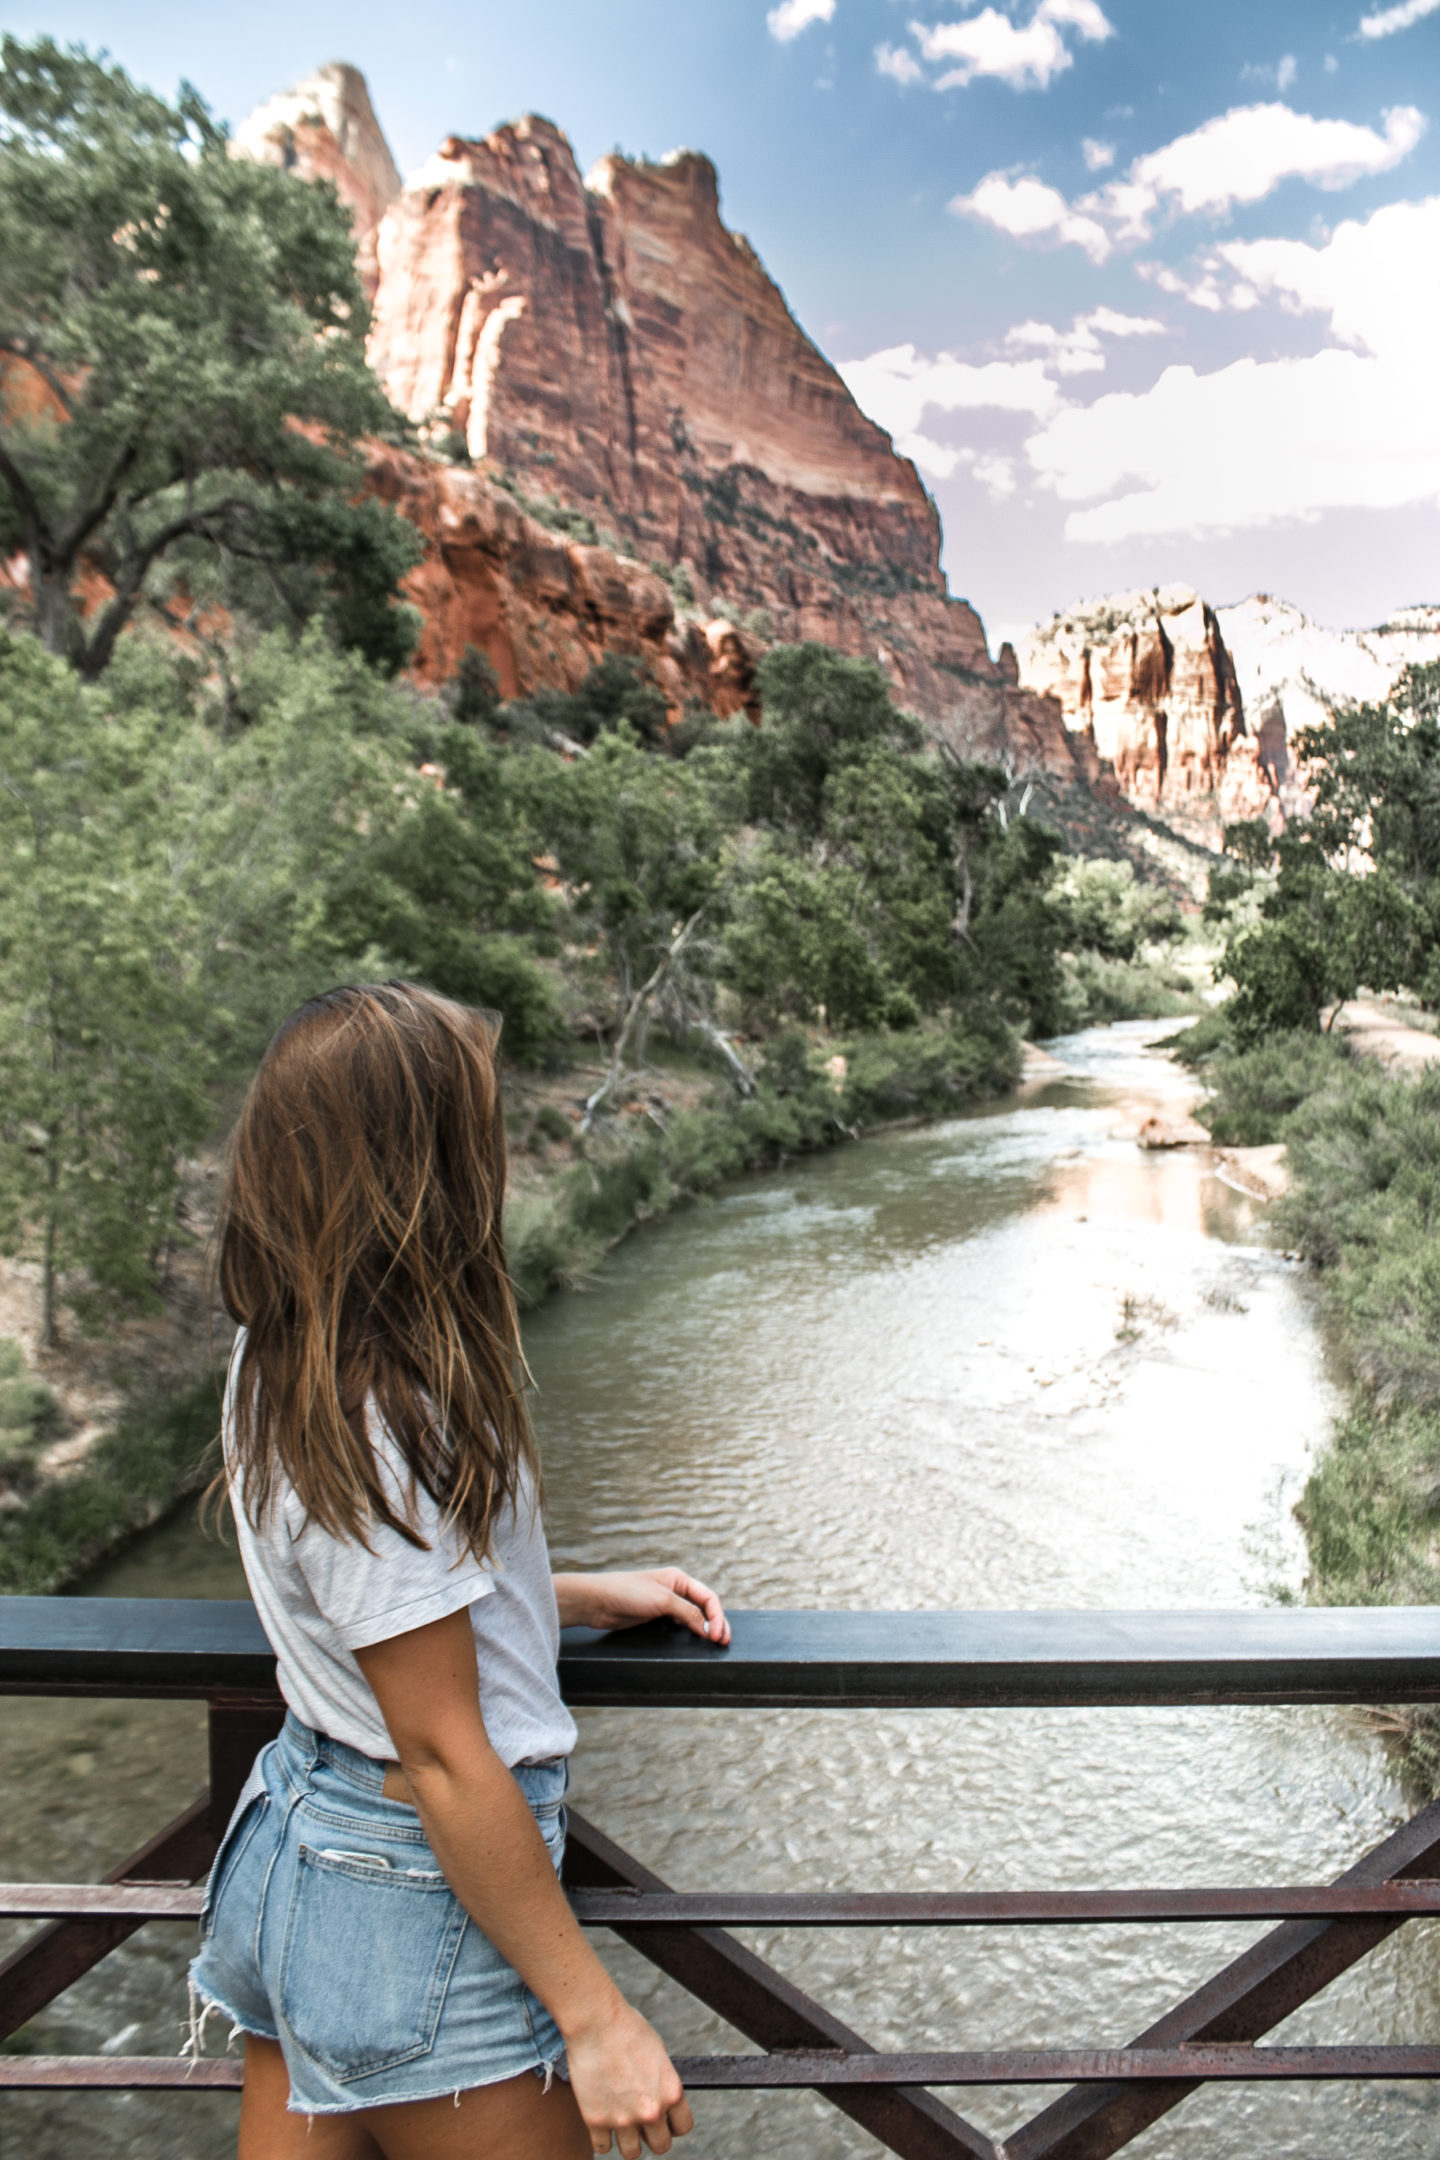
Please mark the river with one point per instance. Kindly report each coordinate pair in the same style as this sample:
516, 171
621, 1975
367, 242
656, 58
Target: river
1009, 1360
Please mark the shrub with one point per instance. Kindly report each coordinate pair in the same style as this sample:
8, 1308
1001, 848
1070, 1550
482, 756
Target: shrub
1253, 1092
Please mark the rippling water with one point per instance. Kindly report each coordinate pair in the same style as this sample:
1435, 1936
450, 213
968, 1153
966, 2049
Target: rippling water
1005, 1361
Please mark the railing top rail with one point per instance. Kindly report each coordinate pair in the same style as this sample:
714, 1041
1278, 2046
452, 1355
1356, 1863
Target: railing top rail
855, 1660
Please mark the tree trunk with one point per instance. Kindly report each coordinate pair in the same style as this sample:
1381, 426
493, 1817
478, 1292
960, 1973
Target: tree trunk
47, 1251
633, 1019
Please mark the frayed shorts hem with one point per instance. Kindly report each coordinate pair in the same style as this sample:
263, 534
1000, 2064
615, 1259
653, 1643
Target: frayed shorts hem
549, 2071
204, 2005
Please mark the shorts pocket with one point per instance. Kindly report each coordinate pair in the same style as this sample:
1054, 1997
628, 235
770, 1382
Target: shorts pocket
551, 1821
369, 1950
228, 1860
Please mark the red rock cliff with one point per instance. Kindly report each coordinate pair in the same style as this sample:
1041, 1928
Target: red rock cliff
608, 348
1149, 675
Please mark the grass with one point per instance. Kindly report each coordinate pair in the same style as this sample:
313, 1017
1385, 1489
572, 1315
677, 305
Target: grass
1364, 1210
129, 1479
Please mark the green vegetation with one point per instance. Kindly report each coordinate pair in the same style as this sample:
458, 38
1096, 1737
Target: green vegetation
1364, 1210
1346, 900
216, 798
129, 1479
1349, 896
183, 386
30, 1416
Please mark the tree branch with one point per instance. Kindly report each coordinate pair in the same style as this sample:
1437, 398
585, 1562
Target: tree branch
637, 1006
21, 489
113, 618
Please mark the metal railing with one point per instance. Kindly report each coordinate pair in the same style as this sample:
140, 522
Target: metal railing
216, 1652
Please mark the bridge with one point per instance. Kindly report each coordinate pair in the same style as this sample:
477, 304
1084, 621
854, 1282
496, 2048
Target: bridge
216, 1652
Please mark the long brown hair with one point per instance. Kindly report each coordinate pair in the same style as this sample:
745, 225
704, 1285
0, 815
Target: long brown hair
361, 1249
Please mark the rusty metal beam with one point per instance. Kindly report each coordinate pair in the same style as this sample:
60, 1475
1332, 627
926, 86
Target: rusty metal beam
835, 2070
240, 1723
1249, 1997
119, 2073
831, 1909
56, 1957
769, 2009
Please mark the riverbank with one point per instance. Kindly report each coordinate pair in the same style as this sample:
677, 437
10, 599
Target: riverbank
677, 1134
1362, 1143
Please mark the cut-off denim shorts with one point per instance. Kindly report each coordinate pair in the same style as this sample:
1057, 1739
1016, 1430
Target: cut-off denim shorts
329, 1927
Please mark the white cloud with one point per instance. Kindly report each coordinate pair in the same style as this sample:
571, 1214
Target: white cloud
1243, 154
1028, 209
1026, 55
899, 65
1354, 425
996, 475
900, 386
1078, 350
1238, 157
1391, 19
1097, 155
792, 16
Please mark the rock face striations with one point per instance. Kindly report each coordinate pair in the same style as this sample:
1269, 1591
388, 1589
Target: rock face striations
614, 343
1149, 674
605, 354
1198, 708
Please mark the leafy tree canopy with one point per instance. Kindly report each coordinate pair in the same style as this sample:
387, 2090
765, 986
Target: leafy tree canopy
1351, 894
183, 384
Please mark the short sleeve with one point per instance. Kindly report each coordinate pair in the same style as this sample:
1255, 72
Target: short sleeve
369, 1595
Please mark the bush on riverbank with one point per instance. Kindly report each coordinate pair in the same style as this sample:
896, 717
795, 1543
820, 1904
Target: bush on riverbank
131, 1477
1364, 1210
558, 1235
1253, 1092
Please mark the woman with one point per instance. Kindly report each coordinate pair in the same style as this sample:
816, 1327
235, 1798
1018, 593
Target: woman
384, 1921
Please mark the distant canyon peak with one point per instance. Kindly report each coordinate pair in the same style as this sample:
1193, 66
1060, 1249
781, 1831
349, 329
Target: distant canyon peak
1197, 707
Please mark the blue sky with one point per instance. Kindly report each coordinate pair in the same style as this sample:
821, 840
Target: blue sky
1150, 291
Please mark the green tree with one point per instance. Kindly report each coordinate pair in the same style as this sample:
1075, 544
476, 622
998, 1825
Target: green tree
183, 384
473, 691
1104, 908
821, 712
638, 843
447, 890
1353, 897
104, 1061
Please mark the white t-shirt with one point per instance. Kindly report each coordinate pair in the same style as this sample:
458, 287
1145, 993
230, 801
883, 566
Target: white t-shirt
321, 1598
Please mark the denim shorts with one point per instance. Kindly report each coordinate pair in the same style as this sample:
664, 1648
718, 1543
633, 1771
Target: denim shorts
329, 1927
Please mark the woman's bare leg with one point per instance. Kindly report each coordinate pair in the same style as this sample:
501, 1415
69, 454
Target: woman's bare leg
268, 2131
514, 2120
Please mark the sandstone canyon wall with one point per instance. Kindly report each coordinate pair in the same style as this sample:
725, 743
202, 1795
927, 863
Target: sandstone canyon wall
1150, 676
1198, 707
325, 129
607, 346
1291, 671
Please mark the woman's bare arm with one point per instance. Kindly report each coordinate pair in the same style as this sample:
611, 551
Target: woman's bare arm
621, 1601
485, 1838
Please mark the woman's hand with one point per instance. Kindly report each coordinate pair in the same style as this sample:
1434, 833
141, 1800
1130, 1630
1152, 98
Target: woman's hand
625, 2083
621, 1601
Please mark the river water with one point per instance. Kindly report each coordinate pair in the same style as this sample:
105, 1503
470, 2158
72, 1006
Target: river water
1007, 1361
